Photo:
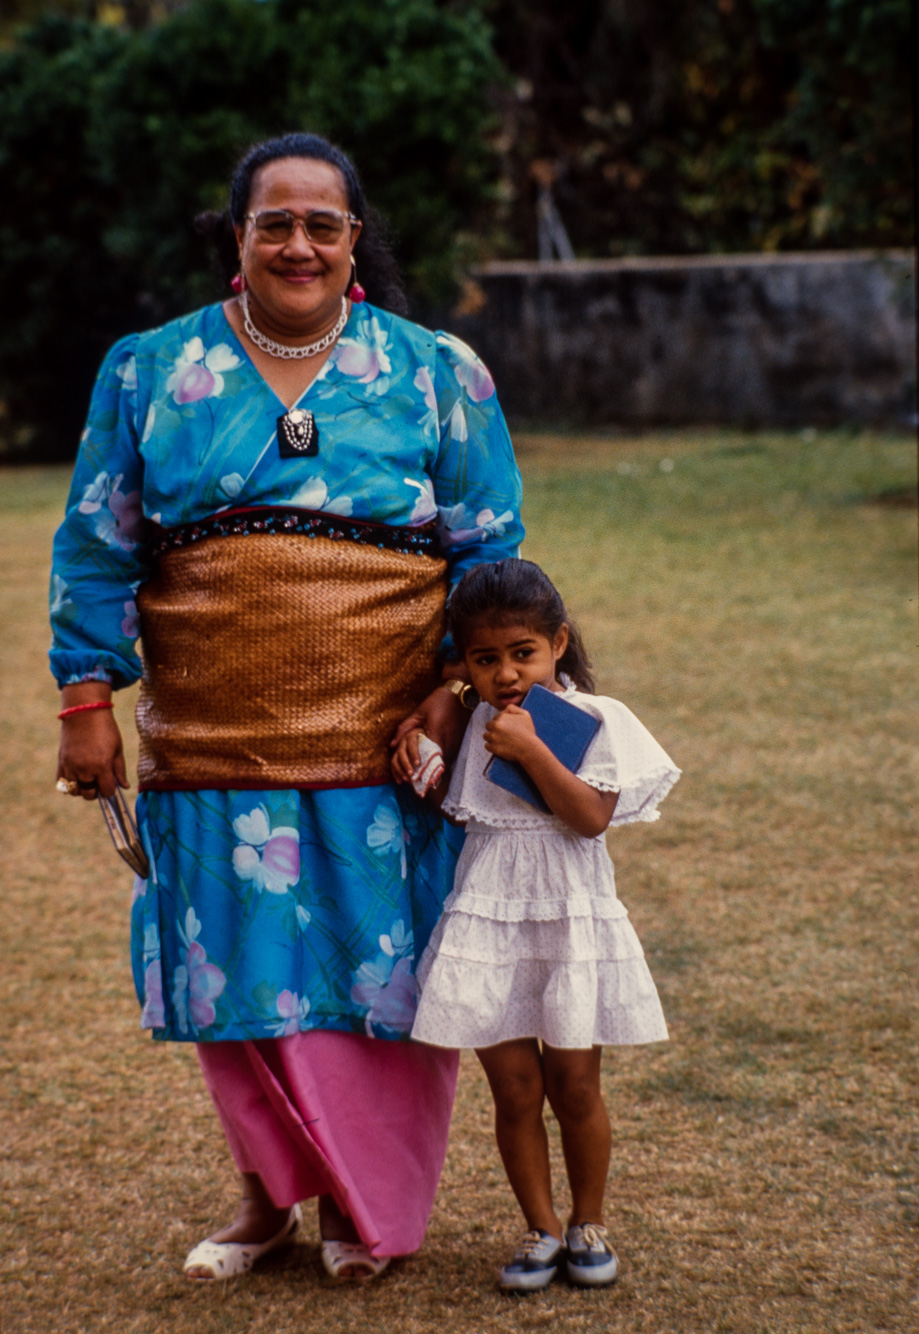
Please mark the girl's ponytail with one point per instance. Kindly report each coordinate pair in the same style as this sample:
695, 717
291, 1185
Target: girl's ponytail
575, 663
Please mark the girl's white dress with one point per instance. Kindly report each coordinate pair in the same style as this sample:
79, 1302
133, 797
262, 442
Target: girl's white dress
533, 941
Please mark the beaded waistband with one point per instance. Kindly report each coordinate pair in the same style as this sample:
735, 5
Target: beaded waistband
284, 519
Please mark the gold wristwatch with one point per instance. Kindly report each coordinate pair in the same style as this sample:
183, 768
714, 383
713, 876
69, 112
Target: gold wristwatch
467, 695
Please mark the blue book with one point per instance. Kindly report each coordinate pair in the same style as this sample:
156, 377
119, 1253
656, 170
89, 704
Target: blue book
565, 729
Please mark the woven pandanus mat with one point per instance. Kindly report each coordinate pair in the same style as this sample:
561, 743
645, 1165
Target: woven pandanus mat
282, 660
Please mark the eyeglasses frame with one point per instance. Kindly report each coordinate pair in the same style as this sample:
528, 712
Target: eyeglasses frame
297, 220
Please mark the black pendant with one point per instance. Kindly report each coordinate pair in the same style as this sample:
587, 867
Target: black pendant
298, 434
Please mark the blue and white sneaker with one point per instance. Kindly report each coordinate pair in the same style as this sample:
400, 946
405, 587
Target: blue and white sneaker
592, 1262
534, 1265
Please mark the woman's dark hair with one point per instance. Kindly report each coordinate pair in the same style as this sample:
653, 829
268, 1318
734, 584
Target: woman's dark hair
376, 266
518, 590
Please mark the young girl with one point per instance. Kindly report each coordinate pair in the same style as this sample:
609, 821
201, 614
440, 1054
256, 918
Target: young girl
534, 962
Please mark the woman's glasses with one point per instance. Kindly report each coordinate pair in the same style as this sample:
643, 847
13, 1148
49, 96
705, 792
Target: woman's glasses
322, 226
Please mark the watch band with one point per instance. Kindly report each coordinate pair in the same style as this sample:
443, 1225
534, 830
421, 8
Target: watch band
467, 695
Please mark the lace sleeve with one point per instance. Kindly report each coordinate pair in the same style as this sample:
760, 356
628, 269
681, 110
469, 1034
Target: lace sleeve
625, 758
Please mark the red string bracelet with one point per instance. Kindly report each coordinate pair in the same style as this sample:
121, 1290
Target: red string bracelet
81, 708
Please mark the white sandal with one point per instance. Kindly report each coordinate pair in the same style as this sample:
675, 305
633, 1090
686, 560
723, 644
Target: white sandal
339, 1255
229, 1259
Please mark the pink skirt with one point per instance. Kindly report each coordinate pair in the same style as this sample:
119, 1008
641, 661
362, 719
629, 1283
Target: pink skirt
327, 1113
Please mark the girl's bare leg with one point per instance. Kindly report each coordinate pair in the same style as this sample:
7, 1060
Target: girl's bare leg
572, 1081
515, 1073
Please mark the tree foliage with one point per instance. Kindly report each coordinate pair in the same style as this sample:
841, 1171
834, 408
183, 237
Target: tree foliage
111, 140
670, 126
677, 126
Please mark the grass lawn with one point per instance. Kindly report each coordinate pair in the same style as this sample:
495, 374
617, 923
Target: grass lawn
753, 599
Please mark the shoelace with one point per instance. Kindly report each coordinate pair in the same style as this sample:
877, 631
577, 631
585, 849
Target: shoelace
531, 1242
595, 1235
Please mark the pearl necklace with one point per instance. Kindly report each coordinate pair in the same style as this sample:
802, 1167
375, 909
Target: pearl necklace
285, 350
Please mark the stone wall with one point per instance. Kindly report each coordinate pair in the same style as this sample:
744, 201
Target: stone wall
754, 340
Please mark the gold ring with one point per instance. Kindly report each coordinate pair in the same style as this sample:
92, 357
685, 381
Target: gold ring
67, 787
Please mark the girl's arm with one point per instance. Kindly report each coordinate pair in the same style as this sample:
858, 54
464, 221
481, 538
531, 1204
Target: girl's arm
512, 736
441, 716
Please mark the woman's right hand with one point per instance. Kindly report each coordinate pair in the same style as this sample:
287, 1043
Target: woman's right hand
91, 752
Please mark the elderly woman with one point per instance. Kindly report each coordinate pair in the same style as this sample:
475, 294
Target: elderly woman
274, 494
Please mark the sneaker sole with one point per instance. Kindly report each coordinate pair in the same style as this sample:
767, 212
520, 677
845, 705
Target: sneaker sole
596, 1275
593, 1276
532, 1282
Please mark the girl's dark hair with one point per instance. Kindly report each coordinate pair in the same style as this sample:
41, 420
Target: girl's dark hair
376, 265
518, 590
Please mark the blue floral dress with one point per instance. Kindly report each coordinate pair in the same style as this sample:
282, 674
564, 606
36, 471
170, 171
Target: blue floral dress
274, 912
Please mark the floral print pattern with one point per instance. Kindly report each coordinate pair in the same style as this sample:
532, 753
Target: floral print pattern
268, 858
337, 949
294, 1011
471, 373
458, 527
153, 1013
314, 495
198, 373
59, 598
181, 426
386, 984
116, 516
272, 911
130, 624
386, 834
365, 356
196, 983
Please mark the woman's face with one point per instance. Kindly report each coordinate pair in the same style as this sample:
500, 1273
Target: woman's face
296, 286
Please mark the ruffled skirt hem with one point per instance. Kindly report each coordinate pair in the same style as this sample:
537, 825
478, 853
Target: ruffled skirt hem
570, 1005
469, 938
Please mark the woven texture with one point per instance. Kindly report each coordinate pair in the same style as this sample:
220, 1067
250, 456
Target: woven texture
282, 661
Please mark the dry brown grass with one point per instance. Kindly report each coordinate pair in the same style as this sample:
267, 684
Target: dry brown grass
756, 606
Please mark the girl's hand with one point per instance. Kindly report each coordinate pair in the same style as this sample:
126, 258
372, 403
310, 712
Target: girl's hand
442, 717
511, 735
91, 753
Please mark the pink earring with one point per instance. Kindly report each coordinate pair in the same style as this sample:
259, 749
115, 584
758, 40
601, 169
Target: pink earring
239, 283
356, 292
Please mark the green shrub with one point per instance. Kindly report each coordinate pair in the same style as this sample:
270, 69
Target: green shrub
672, 126
685, 126
111, 141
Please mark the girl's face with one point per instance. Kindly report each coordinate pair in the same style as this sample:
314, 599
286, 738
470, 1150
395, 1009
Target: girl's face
505, 660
